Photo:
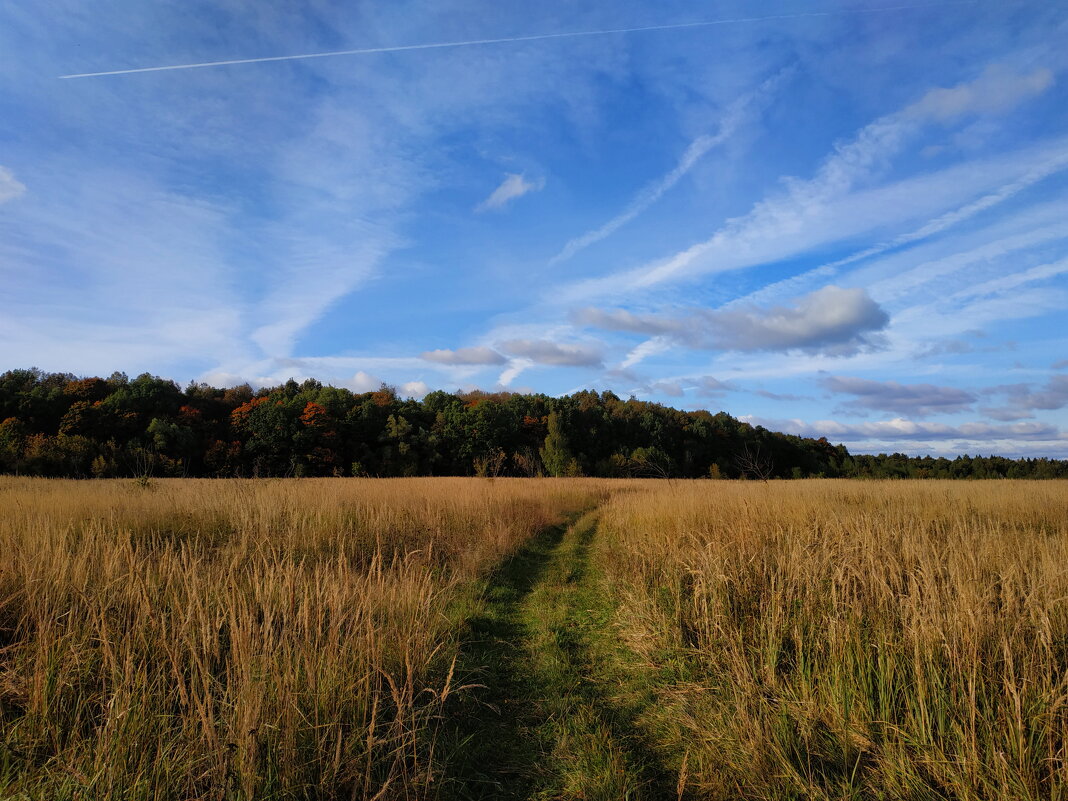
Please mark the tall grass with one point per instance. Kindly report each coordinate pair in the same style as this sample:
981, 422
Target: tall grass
240, 639
822, 640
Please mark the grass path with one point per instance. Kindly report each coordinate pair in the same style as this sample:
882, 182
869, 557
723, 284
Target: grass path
558, 716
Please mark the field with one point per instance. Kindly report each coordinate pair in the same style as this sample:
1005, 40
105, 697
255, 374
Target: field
533, 638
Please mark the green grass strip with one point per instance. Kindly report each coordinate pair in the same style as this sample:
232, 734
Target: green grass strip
558, 716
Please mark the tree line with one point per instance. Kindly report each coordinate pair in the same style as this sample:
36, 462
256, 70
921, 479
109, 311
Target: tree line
60, 425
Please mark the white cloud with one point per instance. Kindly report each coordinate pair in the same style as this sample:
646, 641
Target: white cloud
296, 301
543, 351
363, 382
916, 271
464, 356
1007, 283
909, 269
10, 188
515, 368
732, 119
641, 352
514, 185
623, 320
996, 91
826, 207
116, 271
914, 436
831, 320
414, 389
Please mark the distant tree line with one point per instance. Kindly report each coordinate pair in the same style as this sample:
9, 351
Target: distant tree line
56, 424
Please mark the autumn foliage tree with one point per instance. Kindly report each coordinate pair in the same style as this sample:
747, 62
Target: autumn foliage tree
57, 424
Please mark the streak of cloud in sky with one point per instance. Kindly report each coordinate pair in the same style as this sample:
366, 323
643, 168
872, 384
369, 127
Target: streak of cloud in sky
838, 219
513, 186
363, 51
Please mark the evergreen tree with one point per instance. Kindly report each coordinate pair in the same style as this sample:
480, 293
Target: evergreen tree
555, 454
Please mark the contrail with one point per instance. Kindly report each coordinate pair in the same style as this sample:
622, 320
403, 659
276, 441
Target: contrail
534, 38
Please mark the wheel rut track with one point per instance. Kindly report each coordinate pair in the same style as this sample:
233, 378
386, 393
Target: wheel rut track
545, 722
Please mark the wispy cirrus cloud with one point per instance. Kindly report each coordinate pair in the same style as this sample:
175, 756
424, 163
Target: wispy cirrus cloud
514, 185
732, 119
826, 207
644, 350
10, 188
997, 90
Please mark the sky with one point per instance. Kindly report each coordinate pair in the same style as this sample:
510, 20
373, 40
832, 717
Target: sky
841, 219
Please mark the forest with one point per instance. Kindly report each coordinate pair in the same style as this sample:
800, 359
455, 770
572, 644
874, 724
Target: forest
61, 425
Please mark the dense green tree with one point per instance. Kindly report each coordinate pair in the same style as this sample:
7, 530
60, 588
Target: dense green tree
55, 424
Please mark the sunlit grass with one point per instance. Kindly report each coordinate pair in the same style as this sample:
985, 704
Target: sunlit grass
240, 639
284, 639
852, 640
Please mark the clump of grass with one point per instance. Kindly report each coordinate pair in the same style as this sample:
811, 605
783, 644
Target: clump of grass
240, 639
852, 640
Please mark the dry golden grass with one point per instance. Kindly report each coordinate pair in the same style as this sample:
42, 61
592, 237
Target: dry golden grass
830, 639
240, 639
294, 639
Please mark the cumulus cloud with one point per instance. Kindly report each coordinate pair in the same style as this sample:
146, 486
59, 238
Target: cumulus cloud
363, 382
414, 389
466, 356
10, 188
831, 320
543, 351
514, 185
919, 400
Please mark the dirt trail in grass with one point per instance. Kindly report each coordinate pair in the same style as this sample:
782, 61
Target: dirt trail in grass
557, 717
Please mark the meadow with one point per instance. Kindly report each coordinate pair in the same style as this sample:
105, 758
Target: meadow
533, 638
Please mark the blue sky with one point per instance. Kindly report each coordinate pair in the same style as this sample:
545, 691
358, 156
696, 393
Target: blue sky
839, 219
